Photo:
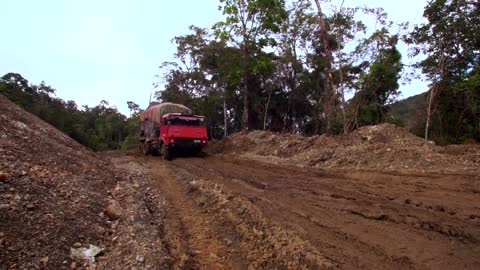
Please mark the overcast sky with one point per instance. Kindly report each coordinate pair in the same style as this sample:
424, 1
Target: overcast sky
111, 49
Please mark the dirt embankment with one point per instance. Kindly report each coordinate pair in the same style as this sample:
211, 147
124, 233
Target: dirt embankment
384, 147
56, 197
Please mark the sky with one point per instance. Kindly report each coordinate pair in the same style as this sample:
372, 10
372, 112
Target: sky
111, 49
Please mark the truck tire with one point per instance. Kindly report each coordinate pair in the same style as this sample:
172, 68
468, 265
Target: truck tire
201, 154
146, 148
154, 150
166, 152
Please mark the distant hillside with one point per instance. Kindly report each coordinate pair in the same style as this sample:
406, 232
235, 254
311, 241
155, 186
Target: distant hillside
405, 111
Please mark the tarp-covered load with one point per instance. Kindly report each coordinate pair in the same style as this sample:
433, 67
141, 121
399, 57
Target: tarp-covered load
154, 113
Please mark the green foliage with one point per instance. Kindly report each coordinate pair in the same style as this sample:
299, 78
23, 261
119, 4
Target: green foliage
263, 67
380, 85
99, 128
266, 59
458, 112
249, 26
451, 42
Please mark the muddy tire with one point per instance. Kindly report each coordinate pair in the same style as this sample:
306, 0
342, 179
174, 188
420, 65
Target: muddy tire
155, 151
166, 152
146, 148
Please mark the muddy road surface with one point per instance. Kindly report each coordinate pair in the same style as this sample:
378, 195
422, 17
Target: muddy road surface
226, 213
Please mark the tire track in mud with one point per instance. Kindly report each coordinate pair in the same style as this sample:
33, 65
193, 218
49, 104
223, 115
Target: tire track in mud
254, 242
192, 238
361, 219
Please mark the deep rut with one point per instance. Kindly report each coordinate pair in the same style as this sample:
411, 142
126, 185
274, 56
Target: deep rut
192, 237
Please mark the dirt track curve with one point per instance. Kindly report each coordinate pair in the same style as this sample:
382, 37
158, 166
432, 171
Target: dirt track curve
227, 213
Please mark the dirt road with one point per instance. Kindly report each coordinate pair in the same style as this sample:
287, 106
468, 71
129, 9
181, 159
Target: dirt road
225, 213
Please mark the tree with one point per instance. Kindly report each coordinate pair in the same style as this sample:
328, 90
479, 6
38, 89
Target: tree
451, 42
248, 25
132, 106
329, 88
345, 29
99, 128
290, 68
379, 85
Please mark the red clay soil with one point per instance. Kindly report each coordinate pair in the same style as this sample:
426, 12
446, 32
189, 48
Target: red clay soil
222, 212
379, 198
352, 219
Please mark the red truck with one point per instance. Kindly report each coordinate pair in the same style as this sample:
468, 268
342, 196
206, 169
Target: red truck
168, 127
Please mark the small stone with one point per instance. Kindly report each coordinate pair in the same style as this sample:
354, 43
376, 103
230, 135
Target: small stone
30, 206
77, 245
20, 125
114, 210
140, 259
73, 265
114, 225
100, 230
2, 234
3, 176
44, 261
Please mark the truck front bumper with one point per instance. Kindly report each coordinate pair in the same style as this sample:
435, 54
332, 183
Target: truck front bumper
188, 143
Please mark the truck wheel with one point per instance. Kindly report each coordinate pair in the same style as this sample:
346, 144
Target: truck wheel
201, 153
154, 150
166, 152
146, 148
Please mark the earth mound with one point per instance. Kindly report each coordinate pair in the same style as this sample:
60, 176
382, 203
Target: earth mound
59, 200
381, 147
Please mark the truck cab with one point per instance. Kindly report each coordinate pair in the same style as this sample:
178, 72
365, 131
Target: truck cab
179, 130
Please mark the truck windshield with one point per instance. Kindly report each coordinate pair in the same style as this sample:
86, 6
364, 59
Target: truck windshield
177, 121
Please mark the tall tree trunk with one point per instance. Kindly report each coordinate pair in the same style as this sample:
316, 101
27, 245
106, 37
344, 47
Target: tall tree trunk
342, 90
225, 132
245, 102
429, 110
245, 87
292, 92
432, 97
285, 117
266, 109
329, 90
